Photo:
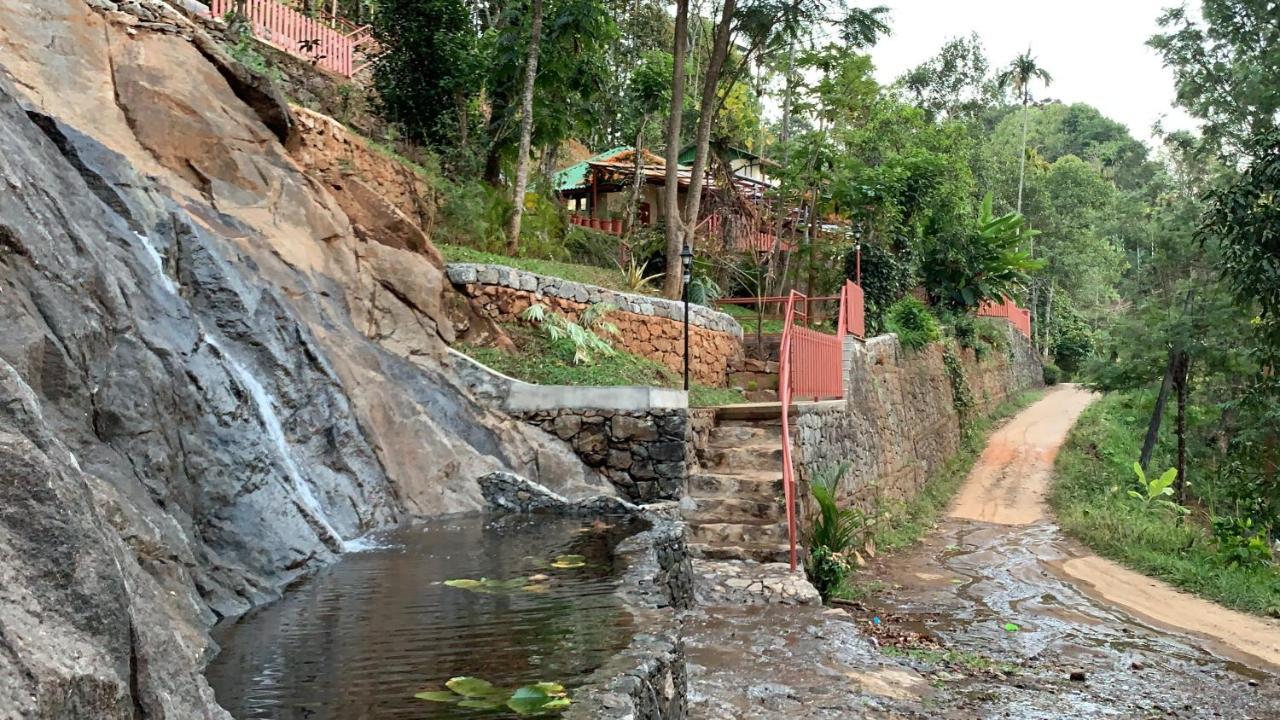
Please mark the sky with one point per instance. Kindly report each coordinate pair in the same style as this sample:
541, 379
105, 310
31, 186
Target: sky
1096, 51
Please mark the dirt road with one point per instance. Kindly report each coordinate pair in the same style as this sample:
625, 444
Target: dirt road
994, 615
1142, 647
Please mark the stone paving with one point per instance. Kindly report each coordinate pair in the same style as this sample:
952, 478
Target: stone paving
742, 582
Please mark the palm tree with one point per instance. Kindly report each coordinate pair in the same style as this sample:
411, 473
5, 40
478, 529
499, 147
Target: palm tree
1020, 74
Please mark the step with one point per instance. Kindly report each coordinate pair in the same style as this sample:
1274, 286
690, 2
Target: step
757, 485
751, 412
746, 458
727, 436
736, 510
763, 552
739, 533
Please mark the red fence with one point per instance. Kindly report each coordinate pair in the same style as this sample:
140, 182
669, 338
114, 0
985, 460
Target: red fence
283, 27
1021, 319
812, 365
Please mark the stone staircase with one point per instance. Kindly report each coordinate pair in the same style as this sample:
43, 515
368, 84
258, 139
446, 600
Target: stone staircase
734, 503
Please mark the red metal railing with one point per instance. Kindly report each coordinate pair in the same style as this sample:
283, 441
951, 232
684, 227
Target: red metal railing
305, 37
812, 365
1009, 310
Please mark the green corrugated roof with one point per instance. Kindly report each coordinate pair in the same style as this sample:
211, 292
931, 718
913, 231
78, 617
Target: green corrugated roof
575, 176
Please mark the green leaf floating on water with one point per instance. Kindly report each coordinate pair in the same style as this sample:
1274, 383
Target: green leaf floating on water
565, 562
447, 696
534, 699
487, 586
474, 687
1012, 627
480, 694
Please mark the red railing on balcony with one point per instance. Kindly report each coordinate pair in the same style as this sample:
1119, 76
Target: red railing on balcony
282, 27
1008, 310
812, 365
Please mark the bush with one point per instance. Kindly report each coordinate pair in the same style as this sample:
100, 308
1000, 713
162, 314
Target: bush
914, 325
834, 532
1052, 373
887, 275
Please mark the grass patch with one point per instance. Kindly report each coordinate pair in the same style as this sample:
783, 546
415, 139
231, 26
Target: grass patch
746, 317
589, 274
550, 362
1093, 474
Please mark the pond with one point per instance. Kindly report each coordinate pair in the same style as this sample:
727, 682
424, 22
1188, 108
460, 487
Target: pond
530, 599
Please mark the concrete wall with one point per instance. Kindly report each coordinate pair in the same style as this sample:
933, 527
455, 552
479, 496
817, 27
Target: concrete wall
898, 421
648, 326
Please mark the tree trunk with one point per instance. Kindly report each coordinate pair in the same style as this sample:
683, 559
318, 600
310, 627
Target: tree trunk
1022, 159
1157, 415
706, 114
526, 129
1180, 380
638, 180
671, 189
1048, 318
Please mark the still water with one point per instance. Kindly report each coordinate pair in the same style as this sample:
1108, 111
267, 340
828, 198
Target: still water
356, 641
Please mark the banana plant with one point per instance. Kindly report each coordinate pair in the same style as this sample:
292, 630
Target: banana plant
1154, 492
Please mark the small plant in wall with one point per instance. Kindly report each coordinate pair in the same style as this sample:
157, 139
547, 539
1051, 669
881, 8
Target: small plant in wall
587, 335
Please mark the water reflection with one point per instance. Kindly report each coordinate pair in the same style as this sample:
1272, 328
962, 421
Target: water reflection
356, 641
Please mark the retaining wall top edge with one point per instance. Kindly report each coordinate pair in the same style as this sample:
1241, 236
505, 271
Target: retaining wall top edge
526, 397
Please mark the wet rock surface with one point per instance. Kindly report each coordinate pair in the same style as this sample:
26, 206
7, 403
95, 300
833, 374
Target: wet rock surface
739, 582
201, 398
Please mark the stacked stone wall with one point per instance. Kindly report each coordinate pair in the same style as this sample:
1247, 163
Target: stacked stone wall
647, 326
899, 422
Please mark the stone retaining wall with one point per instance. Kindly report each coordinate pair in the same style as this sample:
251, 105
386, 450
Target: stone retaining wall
648, 326
899, 422
641, 452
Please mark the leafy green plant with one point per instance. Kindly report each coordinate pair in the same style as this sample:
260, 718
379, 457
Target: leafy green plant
961, 393
914, 325
588, 343
633, 274
477, 694
1052, 374
1153, 493
704, 291
835, 532
966, 267
1241, 543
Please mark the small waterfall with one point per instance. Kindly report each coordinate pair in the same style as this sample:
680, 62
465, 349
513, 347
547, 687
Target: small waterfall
265, 406
158, 261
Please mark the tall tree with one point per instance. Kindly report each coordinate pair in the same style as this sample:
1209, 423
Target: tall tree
671, 285
1023, 71
526, 129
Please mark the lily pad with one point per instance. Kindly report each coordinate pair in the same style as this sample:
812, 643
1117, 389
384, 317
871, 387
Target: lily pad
565, 562
550, 688
481, 704
463, 583
530, 700
473, 687
445, 696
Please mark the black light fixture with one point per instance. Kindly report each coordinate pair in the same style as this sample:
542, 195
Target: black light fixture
686, 261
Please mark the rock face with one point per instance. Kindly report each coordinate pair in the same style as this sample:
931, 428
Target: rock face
209, 383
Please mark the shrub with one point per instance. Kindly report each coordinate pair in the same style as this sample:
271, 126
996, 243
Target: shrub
914, 325
587, 338
1051, 374
887, 275
833, 534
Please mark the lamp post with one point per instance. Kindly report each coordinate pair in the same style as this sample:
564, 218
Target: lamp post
686, 261
857, 249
